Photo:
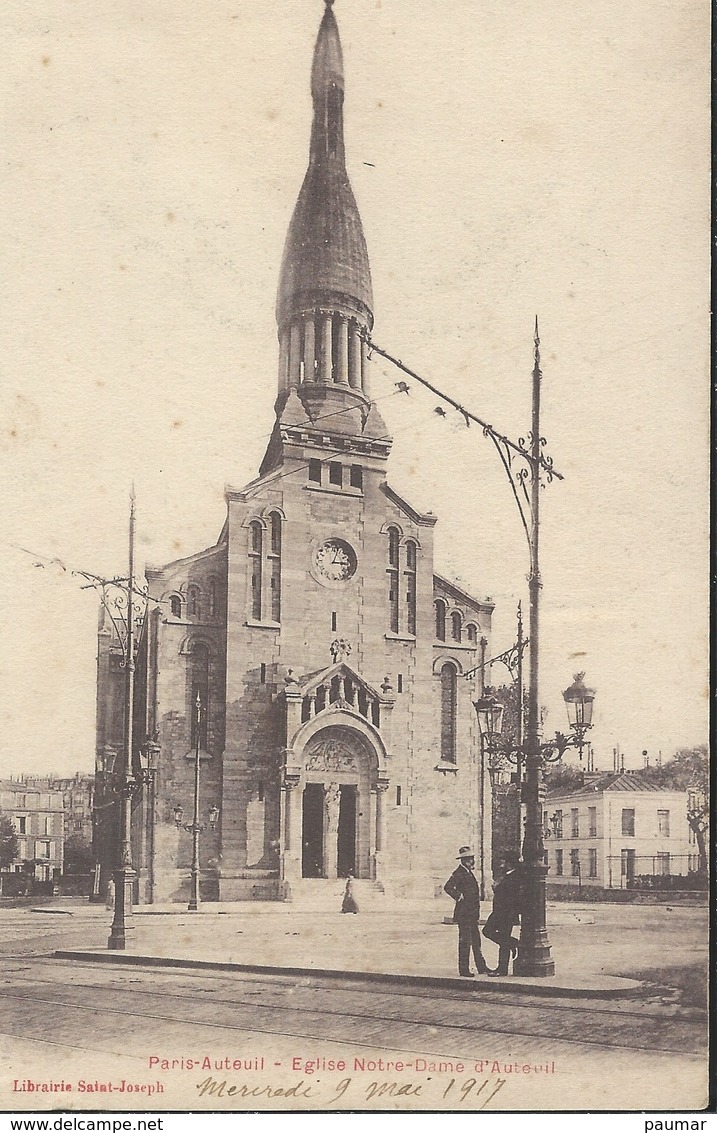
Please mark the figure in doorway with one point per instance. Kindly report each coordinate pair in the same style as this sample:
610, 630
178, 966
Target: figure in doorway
350, 904
507, 904
463, 887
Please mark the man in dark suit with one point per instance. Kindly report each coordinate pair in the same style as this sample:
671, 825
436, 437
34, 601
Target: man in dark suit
463, 887
507, 907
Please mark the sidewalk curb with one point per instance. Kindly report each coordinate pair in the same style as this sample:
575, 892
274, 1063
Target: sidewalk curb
447, 982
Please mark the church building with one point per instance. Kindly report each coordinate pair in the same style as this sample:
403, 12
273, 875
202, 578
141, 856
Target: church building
336, 732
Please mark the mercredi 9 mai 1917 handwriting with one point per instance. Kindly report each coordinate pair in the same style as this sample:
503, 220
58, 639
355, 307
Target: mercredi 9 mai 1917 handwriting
471, 1091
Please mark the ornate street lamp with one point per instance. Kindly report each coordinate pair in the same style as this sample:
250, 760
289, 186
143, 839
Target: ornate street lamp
579, 703
195, 827
490, 723
490, 717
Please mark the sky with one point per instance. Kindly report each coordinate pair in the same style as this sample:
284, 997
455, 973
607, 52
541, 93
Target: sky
509, 159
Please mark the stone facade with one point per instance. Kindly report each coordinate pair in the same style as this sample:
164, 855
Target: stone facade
337, 733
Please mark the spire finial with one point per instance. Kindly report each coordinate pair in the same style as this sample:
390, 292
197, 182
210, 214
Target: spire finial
536, 340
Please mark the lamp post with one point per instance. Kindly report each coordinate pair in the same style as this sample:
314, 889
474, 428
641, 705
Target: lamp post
534, 951
512, 658
149, 756
124, 874
195, 827
527, 467
490, 722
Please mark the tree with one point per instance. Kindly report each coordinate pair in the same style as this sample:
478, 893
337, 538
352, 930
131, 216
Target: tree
688, 770
9, 845
78, 855
564, 777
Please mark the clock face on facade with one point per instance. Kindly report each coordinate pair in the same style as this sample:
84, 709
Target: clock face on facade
335, 560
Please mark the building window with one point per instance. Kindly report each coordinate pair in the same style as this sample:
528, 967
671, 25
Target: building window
175, 605
559, 862
398, 796
456, 626
336, 473
575, 863
663, 823
410, 581
399, 683
440, 608
558, 817
628, 823
472, 634
212, 599
592, 822
22, 826
256, 534
356, 476
193, 608
314, 471
43, 849
199, 685
663, 864
574, 823
334, 622
393, 579
592, 863
47, 824
262, 673
449, 693
275, 567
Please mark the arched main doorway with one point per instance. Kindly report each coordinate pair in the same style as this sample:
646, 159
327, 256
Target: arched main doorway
339, 771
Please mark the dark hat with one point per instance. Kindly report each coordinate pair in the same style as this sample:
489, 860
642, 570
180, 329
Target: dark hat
465, 852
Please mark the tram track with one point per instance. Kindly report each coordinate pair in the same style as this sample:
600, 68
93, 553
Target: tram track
322, 1015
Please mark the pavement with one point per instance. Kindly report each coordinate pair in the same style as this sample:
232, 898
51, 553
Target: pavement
401, 942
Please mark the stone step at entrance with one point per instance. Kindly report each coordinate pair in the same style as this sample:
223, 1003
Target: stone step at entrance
326, 894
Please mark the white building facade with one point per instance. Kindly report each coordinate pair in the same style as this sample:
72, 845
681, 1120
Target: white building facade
618, 831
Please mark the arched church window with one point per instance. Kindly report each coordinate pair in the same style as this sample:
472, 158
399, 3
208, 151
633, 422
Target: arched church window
256, 540
275, 567
410, 586
472, 634
175, 605
193, 606
456, 626
440, 608
392, 572
198, 683
212, 598
449, 697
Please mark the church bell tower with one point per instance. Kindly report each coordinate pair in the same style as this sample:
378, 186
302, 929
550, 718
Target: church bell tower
324, 306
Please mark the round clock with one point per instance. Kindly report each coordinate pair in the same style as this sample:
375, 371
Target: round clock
335, 560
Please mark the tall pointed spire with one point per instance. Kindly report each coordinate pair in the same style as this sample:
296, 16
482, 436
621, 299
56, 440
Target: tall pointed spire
324, 303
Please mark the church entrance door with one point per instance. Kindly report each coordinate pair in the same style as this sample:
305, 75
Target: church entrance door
312, 850
339, 809
347, 832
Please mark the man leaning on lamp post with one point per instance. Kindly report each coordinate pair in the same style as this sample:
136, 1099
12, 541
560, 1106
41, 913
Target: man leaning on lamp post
463, 887
507, 907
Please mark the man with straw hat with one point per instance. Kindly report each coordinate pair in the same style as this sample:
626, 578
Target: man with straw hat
463, 887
